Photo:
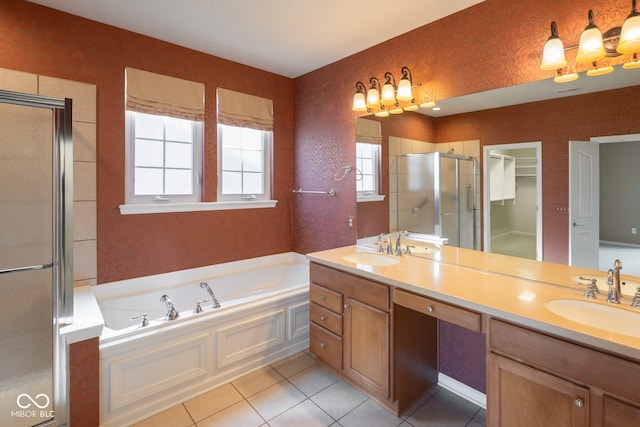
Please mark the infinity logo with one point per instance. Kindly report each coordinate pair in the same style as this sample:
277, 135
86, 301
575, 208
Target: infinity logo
31, 400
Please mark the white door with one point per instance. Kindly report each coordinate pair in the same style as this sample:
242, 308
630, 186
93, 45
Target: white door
584, 203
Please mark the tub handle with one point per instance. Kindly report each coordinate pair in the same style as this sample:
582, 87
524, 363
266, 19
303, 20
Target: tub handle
143, 316
198, 308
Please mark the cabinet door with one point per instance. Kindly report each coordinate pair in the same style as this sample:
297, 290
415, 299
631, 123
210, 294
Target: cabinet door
619, 414
366, 346
519, 395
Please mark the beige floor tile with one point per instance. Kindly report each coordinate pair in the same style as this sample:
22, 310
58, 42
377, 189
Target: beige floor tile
338, 399
294, 364
213, 401
175, 417
436, 413
257, 381
276, 399
239, 415
370, 414
313, 380
458, 403
306, 414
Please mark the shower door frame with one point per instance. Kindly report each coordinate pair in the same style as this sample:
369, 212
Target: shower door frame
62, 188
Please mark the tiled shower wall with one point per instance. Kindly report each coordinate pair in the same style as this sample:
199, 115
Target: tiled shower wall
84, 160
398, 146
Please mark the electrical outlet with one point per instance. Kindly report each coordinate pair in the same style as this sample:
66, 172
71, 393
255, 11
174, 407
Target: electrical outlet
634, 230
350, 221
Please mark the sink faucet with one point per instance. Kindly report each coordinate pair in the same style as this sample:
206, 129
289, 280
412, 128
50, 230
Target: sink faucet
398, 243
613, 280
172, 313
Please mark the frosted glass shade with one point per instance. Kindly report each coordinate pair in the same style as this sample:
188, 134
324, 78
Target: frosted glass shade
388, 94
591, 47
553, 55
404, 90
358, 102
565, 78
630, 35
373, 97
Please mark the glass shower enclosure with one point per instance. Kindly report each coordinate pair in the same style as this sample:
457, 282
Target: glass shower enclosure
36, 279
436, 197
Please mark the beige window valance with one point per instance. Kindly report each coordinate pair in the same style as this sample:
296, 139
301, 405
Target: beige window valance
153, 93
369, 131
241, 109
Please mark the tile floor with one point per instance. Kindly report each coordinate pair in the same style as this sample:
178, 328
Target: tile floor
298, 391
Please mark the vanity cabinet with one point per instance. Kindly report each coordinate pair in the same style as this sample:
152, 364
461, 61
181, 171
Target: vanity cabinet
539, 380
351, 327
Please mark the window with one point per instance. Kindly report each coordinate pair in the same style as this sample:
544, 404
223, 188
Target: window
164, 158
367, 161
244, 163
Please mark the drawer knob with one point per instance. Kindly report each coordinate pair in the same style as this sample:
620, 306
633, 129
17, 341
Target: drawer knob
323, 297
323, 344
323, 317
347, 306
579, 403
430, 309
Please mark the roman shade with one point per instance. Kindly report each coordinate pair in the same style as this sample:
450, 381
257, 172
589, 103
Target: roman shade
369, 131
243, 110
153, 93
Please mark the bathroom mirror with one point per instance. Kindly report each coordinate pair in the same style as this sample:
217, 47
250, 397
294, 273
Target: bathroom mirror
373, 217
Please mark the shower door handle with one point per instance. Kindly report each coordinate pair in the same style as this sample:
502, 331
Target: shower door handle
28, 268
469, 199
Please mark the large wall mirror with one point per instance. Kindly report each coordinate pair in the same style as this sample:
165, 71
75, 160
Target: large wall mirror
414, 132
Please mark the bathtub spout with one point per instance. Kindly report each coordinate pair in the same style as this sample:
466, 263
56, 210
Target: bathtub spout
205, 286
172, 313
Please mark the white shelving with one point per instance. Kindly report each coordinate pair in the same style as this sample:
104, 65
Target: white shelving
502, 179
526, 166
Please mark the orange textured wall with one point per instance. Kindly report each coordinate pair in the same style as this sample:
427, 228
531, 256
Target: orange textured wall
43, 41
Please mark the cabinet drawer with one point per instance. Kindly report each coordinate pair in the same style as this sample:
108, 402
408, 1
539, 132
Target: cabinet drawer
364, 290
447, 312
325, 297
326, 346
326, 318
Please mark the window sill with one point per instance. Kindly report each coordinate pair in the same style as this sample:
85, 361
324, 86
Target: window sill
372, 198
194, 207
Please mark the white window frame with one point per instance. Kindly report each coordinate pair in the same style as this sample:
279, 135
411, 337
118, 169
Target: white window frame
132, 199
369, 195
267, 141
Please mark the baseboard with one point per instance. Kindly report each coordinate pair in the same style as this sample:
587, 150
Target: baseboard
621, 244
462, 390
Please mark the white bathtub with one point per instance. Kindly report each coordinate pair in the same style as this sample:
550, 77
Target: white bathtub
263, 317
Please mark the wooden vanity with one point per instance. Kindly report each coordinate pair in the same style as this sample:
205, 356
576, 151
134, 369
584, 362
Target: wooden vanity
377, 327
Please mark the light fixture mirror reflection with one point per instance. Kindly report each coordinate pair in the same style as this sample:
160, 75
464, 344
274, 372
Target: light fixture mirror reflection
630, 34
591, 47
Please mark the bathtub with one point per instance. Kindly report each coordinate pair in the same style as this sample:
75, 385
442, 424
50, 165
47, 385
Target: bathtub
263, 317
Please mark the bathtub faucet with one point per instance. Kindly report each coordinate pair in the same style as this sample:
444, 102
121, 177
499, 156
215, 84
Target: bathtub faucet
172, 314
205, 286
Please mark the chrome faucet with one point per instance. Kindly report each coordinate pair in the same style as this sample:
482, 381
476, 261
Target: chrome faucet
172, 313
613, 280
205, 286
399, 243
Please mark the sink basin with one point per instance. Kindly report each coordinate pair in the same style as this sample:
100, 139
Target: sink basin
599, 316
371, 259
628, 287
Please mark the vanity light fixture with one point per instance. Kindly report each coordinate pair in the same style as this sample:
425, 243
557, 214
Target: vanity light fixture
390, 98
593, 47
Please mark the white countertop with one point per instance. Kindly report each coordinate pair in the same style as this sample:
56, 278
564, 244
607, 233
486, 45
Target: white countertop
513, 289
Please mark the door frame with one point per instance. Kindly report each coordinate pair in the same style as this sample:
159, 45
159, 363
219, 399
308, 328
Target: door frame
486, 204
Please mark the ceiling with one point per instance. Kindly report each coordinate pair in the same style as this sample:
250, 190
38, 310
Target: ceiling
294, 37
286, 37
